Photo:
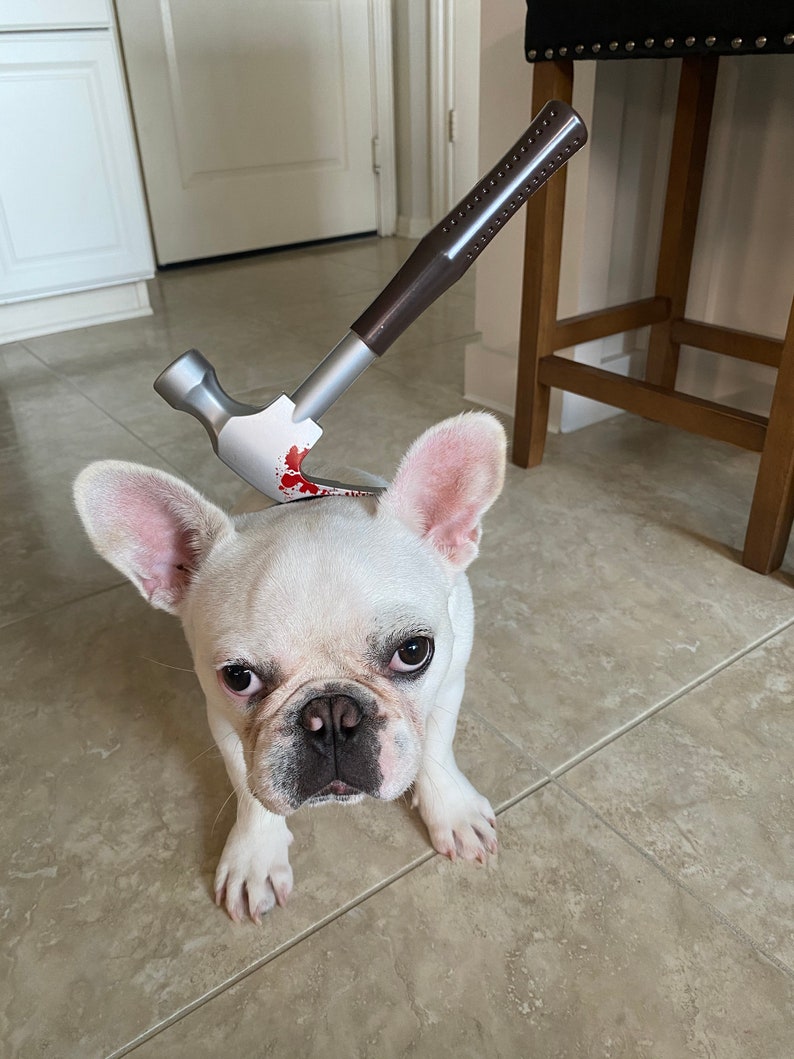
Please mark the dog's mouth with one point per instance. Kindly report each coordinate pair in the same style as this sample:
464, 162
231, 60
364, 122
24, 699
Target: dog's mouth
336, 791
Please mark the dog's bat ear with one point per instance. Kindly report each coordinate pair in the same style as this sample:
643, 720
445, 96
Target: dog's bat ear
153, 528
446, 482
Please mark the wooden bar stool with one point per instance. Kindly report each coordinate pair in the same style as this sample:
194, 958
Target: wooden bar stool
553, 41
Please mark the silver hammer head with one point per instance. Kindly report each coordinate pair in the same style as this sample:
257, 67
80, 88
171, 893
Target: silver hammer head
264, 446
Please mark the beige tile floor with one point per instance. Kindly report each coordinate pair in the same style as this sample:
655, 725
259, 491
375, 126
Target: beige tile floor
629, 710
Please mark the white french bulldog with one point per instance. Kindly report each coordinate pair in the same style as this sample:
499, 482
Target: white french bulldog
330, 637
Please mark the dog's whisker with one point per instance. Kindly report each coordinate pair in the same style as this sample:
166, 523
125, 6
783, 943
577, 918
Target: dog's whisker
165, 665
211, 747
201, 753
234, 793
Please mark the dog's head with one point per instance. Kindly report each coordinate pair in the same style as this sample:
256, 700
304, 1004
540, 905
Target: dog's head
322, 630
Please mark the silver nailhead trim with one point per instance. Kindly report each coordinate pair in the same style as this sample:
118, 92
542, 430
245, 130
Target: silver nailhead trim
760, 42
596, 48
789, 38
629, 45
711, 41
649, 42
669, 42
563, 52
532, 53
549, 53
579, 49
736, 42
689, 42
613, 45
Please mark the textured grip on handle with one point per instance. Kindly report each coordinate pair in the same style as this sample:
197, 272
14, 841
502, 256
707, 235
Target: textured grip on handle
456, 242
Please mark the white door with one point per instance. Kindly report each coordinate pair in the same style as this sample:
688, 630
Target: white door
254, 119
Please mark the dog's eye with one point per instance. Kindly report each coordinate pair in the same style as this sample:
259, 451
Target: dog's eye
412, 655
239, 680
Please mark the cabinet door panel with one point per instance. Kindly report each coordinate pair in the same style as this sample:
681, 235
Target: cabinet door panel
54, 14
71, 208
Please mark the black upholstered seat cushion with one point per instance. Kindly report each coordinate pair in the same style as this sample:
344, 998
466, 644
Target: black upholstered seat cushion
615, 29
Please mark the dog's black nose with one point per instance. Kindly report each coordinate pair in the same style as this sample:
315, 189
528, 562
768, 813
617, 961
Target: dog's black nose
331, 717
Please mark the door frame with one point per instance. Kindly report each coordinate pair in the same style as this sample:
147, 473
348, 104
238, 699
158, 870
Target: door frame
441, 104
383, 134
453, 104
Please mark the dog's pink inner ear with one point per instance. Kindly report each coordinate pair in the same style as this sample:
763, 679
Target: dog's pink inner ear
447, 480
154, 528
143, 521
165, 557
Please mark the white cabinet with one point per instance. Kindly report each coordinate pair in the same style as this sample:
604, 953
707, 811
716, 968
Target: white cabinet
55, 14
72, 213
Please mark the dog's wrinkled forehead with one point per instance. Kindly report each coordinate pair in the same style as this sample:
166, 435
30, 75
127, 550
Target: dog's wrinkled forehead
323, 576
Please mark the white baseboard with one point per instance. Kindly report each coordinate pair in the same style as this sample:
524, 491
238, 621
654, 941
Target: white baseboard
490, 377
578, 412
490, 380
66, 312
413, 227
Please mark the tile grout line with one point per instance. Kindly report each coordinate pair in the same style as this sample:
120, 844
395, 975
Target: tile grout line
61, 377
280, 950
327, 920
674, 697
61, 606
87, 397
554, 775
539, 784
671, 877
500, 735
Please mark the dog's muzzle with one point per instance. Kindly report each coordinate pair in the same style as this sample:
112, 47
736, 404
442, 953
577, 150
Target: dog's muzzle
337, 745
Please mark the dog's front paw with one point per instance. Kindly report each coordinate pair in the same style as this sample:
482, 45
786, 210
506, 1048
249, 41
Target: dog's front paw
254, 872
459, 819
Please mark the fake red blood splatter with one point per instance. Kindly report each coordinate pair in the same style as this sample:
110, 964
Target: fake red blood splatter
295, 458
295, 480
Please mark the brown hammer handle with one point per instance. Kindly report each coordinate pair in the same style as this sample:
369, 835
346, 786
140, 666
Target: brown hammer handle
444, 254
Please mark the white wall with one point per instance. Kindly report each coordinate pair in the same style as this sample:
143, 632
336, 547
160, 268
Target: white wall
743, 271
743, 275
505, 105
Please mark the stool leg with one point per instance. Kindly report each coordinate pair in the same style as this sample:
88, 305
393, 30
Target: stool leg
772, 511
542, 252
682, 202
